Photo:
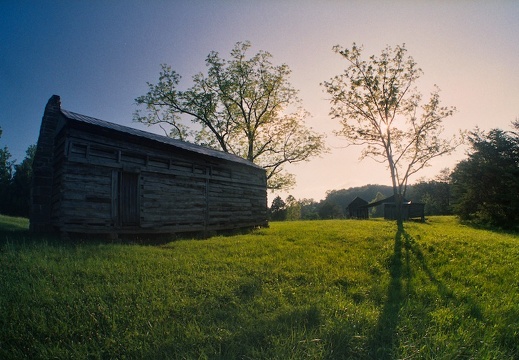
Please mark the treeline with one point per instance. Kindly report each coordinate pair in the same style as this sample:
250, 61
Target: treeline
483, 189
15, 182
435, 194
485, 186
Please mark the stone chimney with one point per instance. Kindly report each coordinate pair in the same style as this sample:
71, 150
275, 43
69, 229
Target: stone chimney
42, 168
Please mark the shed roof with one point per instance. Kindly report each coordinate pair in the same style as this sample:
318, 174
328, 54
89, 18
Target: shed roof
388, 200
155, 137
357, 202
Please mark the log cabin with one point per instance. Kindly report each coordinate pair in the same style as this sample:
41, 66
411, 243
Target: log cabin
96, 177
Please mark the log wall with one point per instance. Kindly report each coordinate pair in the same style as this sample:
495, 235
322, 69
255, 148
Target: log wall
176, 190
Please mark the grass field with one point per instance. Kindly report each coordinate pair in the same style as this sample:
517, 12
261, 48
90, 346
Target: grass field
338, 289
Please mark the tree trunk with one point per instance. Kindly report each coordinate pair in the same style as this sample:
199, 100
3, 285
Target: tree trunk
398, 211
396, 192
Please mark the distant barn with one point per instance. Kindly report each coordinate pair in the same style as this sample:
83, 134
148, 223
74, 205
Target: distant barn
358, 209
93, 176
410, 210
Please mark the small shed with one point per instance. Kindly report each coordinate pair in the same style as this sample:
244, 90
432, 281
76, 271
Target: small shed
410, 210
93, 176
358, 209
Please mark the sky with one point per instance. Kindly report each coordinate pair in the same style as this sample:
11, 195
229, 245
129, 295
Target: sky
98, 55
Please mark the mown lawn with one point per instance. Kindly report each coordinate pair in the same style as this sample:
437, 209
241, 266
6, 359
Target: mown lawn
339, 289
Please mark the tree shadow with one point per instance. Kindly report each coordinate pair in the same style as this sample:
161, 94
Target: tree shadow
384, 341
384, 336
512, 230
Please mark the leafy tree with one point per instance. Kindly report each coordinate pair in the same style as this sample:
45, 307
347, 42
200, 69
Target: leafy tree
330, 210
435, 194
486, 185
377, 211
6, 172
244, 106
309, 209
278, 210
6, 166
380, 108
21, 185
293, 208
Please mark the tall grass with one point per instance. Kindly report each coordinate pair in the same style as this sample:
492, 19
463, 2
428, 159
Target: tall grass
319, 290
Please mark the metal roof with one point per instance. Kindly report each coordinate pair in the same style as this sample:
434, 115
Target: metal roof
157, 138
389, 200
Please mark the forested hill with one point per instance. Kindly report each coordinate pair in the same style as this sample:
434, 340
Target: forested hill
368, 192
434, 194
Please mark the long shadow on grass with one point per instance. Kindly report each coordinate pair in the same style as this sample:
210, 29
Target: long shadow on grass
383, 343
384, 338
19, 236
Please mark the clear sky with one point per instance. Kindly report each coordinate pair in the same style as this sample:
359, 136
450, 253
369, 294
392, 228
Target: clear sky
98, 55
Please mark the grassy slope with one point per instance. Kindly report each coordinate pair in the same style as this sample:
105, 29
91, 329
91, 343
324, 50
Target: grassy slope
320, 290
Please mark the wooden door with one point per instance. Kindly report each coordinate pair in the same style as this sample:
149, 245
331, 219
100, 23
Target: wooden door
129, 205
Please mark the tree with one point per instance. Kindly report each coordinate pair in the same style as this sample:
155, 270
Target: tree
278, 211
244, 106
6, 173
377, 211
330, 210
379, 107
435, 194
486, 185
21, 185
309, 209
6, 165
293, 208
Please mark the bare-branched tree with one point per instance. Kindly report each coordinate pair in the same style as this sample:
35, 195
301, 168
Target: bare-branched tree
379, 107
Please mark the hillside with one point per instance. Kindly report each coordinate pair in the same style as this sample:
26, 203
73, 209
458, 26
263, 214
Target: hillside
338, 289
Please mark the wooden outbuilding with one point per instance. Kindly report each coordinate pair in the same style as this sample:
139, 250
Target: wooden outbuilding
93, 176
358, 209
410, 210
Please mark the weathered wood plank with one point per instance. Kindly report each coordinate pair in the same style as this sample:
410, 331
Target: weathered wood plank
174, 190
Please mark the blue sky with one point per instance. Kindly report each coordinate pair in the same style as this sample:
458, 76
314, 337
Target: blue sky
98, 56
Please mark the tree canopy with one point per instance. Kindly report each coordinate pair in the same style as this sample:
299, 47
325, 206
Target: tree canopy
380, 108
6, 171
486, 185
15, 182
20, 187
245, 106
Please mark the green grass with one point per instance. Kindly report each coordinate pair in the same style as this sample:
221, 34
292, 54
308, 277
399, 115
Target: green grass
13, 225
318, 290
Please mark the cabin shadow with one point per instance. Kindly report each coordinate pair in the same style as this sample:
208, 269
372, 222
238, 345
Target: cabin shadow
15, 235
